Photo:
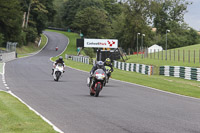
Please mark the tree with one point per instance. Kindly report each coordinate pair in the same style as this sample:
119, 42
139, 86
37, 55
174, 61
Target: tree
167, 11
71, 7
41, 12
1, 39
10, 20
134, 19
92, 22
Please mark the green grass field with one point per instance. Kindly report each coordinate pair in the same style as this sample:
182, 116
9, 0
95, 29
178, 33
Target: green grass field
31, 48
159, 62
15, 117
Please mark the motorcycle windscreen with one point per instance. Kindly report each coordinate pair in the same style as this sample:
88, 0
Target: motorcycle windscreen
60, 64
99, 71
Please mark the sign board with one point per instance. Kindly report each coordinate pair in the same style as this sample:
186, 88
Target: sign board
101, 43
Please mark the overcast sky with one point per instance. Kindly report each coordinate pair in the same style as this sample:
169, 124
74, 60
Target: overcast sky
192, 17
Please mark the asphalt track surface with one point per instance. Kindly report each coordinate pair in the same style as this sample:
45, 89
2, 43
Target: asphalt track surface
120, 108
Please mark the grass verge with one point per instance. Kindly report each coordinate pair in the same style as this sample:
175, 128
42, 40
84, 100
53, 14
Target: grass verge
170, 84
15, 117
159, 62
31, 48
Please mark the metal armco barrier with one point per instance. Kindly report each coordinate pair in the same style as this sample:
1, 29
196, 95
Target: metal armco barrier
181, 72
81, 59
139, 68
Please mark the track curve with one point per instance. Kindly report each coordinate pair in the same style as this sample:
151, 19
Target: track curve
121, 107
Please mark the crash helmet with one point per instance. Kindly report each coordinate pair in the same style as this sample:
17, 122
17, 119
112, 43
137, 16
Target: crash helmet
108, 61
60, 58
100, 65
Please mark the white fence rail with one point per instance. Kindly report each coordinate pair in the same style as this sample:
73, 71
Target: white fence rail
181, 72
80, 59
139, 68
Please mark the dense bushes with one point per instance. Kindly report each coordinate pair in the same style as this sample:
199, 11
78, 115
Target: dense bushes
31, 34
89, 52
1, 39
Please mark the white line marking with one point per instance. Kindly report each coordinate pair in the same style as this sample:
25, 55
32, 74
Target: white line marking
3, 70
5, 85
46, 120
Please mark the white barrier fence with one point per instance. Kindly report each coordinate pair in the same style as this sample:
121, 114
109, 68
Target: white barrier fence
181, 72
4, 57
81, 59
139, 68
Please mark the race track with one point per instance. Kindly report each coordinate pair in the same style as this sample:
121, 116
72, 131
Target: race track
120, 108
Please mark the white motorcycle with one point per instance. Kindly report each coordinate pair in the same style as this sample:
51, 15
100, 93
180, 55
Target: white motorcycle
58, 71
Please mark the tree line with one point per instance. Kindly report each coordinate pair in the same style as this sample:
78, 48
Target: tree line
23, 21
124, 20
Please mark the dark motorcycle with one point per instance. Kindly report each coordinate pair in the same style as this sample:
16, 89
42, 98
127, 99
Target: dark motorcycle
96, 83
108, 74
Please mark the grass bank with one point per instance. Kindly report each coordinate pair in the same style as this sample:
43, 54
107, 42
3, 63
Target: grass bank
15, 117
31, 48
175, 59
170, 84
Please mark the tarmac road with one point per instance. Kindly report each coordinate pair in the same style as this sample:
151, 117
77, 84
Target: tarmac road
120, 108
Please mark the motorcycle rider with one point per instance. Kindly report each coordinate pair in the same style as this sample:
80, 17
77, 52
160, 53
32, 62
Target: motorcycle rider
59, 60
98, 65
108, 63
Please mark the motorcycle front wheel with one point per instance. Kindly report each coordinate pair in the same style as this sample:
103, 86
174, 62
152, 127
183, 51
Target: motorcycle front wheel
57, 75
98, 89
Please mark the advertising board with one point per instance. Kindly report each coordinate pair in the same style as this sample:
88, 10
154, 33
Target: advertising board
101, 43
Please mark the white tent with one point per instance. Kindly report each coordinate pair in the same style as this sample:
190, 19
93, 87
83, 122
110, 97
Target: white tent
155, 48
